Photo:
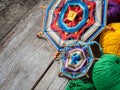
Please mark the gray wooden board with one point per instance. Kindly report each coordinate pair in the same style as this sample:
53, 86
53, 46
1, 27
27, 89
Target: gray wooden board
11, 12
23, 57
51, 81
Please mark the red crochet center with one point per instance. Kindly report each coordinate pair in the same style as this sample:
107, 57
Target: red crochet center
66, 36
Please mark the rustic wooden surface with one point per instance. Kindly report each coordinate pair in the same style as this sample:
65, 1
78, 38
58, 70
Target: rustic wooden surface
11, 12
26, 62
51, 81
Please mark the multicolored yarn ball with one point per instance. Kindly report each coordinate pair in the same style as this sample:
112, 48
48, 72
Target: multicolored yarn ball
113, 13
79, 85
110, 39
106, 73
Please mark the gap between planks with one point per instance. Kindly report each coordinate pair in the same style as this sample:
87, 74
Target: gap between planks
51, 80
37, 82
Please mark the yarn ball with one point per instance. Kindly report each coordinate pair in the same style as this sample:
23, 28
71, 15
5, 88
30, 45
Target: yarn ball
113, 12
110, 39
79, 85
106, 73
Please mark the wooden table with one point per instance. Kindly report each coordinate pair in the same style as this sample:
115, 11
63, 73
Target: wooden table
26, 62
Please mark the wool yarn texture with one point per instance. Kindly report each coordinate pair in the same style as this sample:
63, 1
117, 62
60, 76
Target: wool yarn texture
117, 1
79, 85
113, 12
110, 39
106, 73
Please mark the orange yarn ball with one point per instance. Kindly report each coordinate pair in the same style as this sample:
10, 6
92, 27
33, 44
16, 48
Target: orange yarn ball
110, 39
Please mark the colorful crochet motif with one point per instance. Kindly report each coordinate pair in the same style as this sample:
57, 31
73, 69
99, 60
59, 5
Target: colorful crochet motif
76, 59
71, 20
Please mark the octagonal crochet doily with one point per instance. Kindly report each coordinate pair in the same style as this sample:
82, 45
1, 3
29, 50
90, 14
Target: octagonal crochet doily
67, 21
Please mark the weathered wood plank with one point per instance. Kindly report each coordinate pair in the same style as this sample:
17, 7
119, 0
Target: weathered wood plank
11, 12
23, 57
51, 81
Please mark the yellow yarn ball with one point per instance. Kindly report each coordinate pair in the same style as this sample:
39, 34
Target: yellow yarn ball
110, 39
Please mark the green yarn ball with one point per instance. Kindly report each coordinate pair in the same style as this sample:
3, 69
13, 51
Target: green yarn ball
79, 85
106, 73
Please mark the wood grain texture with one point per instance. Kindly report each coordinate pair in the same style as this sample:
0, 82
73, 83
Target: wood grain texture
11, 12
23, 57
51, 81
